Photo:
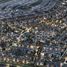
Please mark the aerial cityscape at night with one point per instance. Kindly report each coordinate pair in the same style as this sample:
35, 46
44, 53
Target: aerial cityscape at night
33, 33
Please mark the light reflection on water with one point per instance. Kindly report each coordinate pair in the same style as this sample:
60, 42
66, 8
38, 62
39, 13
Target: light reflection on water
24, 7
2, 1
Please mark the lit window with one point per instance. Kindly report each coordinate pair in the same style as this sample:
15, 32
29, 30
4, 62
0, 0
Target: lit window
23, 61
42, 54
31, 46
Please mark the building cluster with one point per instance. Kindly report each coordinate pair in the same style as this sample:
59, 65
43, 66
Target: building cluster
41, 42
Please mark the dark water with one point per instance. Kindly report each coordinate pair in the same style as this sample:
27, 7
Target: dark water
14, 8
24, 7
3, 1
33, 4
